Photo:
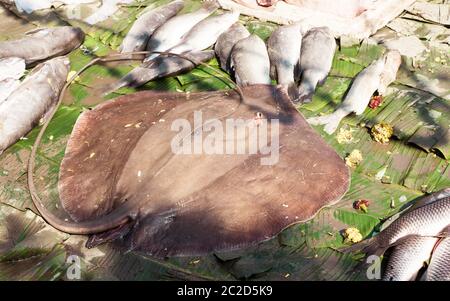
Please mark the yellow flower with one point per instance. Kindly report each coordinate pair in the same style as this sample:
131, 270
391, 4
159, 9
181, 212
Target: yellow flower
354, 159
352, 235
345, 136
382, 132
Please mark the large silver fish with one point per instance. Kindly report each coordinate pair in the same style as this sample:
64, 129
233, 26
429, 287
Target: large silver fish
284, 46
250, 61
318, 47
439, 268
430, 219
226, 42
35, 96
171, 33
159, 67
377, 76
139, 34
205, 33
408, 258
42, 44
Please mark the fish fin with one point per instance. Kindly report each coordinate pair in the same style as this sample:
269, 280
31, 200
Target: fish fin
330, 121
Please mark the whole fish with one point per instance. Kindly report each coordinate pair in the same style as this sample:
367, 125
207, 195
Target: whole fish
226, 42
7, 86
377, 75
205, 33
35, 96
284, 46
439, 268
42, 44
250, 61
428, 220
408, 258
318, 47
171, 33
161, 66
12, 67
139, 34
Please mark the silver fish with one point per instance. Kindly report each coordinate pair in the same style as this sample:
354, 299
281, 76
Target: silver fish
318, 47
226, 42
42, 44
205, 33
408, 258
377, 76
428, 220
35, 96
284, 46
171, 33
139, 34
160, 67
250, 61
439, 268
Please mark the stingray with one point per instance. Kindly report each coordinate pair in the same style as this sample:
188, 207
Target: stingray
121, 179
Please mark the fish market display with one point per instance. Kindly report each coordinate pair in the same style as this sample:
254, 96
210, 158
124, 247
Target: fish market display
42, 44
226, 42
376, 76
250, 61
171, 33
318, 47
159, 67
139, 34
439, 268
430, 219
408, 258
356, 18
205, 33
29, 102
284, 46
129, 182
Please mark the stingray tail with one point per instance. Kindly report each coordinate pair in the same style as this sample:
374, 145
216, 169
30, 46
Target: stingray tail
330, 121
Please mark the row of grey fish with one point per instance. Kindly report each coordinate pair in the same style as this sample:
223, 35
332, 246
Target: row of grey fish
27, 102
419, 234
288, 57
186, 35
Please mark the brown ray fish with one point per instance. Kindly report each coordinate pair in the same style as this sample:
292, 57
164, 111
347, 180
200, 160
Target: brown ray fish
130, 171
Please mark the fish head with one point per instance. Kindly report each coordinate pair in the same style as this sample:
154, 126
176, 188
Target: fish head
73, 34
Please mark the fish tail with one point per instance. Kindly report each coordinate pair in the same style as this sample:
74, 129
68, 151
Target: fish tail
330, 121
305, 92
293, 91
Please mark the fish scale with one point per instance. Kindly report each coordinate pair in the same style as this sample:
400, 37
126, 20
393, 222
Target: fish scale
408, 258
428, 220
439, 269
